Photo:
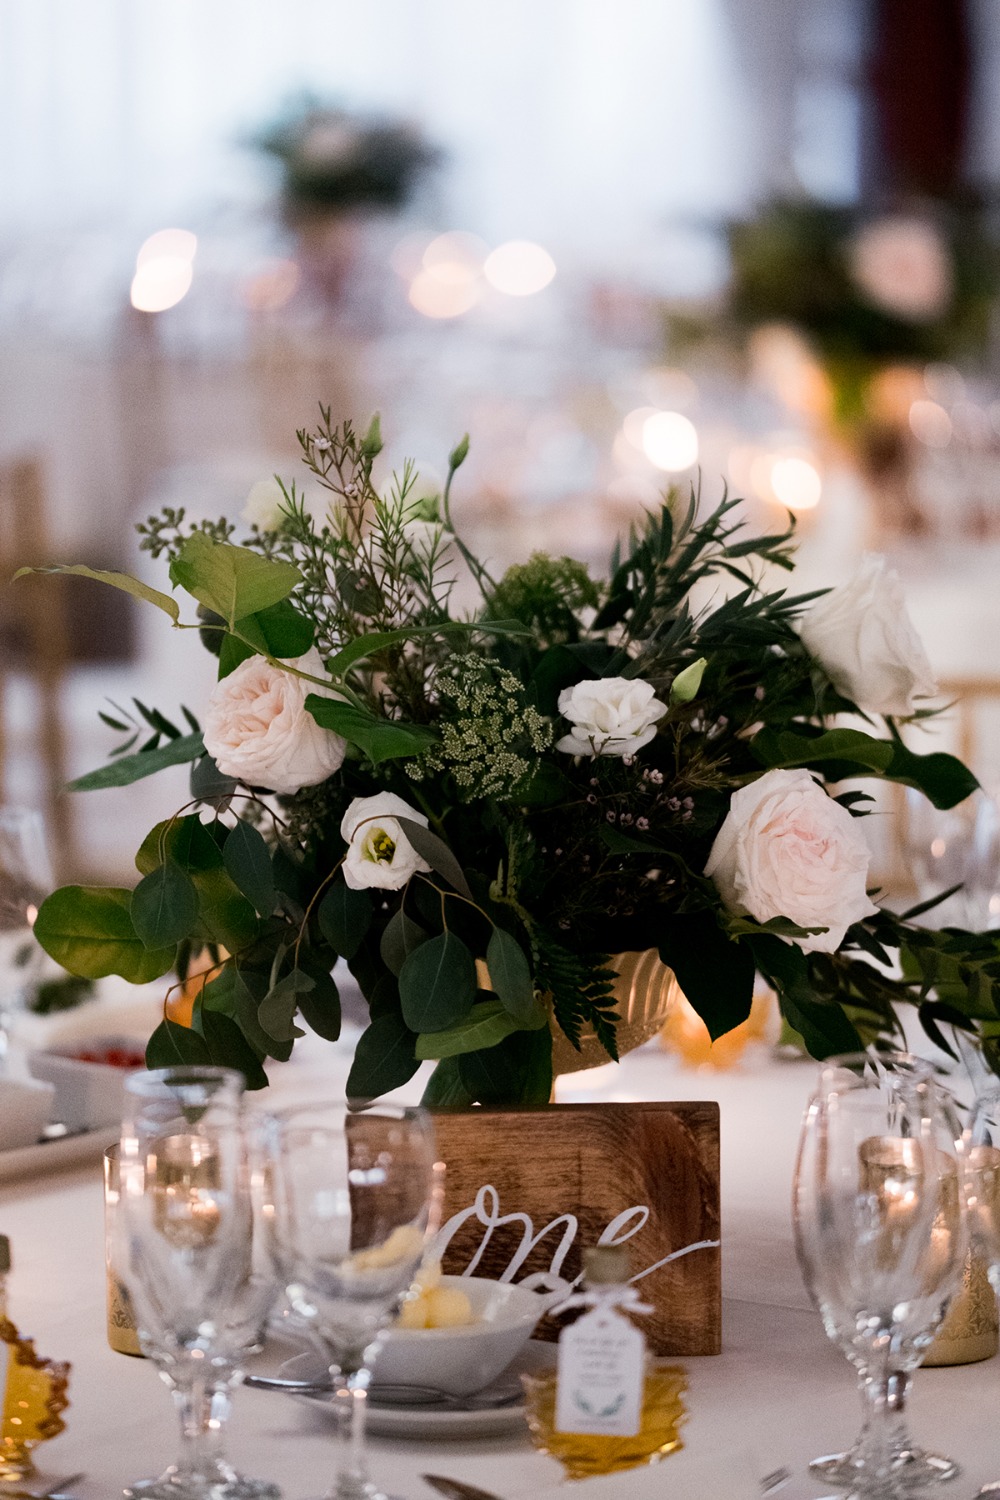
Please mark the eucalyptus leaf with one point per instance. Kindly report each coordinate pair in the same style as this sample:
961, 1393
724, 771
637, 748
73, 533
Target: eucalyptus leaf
88, 929
486, 1024
516, 1071
229, 1048
277, 1009
130, 768
320, 1009
248, 861
401, 937
248, 990
164, 906
210, 785
188, 841
384, 1059
716, 974
344, 917
445, 1089
437, 854
437, 983
510, 979
172, 1045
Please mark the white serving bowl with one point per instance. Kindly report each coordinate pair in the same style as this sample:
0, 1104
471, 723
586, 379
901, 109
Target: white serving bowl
25, 1110
462, 1360
89, 1095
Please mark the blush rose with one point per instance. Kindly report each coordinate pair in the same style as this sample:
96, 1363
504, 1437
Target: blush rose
257, 727
786, 849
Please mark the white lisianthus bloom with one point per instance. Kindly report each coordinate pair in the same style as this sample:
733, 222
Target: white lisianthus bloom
787, 849
257, 727
379, 853
863, 637
610, 716
264, 505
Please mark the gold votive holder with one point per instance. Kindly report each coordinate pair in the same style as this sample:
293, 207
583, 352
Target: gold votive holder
969, 1332
122, 1334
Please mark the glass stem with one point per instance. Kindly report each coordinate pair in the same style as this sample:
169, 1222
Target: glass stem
203, 1408
883, 1435
350, 1402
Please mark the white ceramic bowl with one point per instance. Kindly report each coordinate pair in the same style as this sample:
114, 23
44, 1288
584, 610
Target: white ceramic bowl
88, 1094
25, 1110
462, 1360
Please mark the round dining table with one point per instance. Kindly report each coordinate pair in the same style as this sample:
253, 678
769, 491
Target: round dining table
779, 1393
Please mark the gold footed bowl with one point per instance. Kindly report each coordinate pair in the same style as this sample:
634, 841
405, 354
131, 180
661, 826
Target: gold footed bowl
645, 994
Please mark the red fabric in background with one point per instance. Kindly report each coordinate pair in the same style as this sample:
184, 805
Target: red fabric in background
919, 72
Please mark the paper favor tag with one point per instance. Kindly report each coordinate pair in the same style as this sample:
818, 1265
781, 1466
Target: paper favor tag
600, 1376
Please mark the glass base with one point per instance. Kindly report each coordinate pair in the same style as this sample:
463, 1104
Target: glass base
175, 1485
913, 1466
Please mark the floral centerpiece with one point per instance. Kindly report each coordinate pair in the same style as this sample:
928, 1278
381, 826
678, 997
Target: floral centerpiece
334, 161
475, 811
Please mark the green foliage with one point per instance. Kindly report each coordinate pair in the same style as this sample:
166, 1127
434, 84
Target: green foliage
89, 930
539, 863
232, 581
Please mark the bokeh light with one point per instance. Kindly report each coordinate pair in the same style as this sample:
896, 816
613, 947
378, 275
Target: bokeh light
796, 483
164, 270
930, 424
161, 283
437, 297
167, 244
519, 268
670, 441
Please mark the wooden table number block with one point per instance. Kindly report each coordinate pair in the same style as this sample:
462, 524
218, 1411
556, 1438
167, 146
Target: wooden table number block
529, 1189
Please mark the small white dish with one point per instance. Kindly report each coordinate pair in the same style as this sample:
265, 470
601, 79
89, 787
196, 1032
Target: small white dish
462, 1360
89, 1094
26, 1108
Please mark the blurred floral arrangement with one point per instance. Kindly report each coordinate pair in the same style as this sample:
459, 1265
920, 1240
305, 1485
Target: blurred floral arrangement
478, 811
334, 161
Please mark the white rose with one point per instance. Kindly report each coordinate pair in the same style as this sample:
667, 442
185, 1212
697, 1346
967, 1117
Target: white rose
264, 505
379, 853
610, 716
864, 638
258, 730
787, 849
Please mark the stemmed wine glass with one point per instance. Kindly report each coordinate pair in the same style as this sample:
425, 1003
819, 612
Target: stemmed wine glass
983, 1142
184, 1249
881, 1239
25, 881
351, 1195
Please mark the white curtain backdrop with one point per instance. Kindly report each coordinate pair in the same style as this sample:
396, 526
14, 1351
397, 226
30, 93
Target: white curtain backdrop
572, 121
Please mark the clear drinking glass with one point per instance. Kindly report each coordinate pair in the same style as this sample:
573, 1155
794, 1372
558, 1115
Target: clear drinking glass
184, 1232
25, 881
350, 1201
881, 1238
983, 1144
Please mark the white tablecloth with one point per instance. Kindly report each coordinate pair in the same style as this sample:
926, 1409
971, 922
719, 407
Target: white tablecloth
777, 1395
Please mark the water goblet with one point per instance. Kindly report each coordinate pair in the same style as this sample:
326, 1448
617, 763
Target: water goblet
351, 1195
881, 1239
184, 1249
25, 881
